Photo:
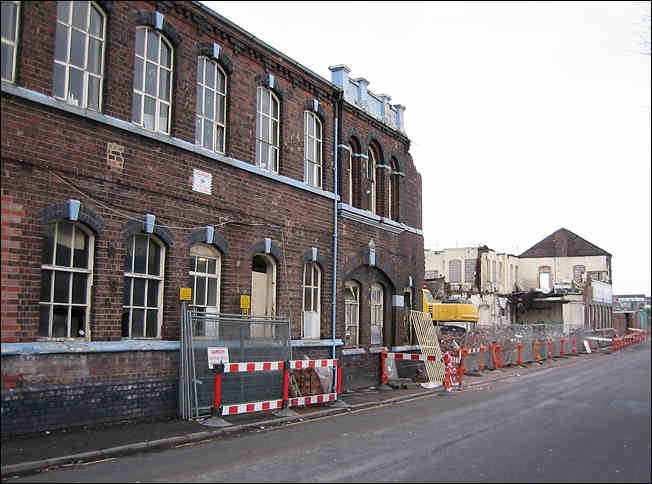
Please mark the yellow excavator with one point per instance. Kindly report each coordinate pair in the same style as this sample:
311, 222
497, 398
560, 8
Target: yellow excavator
455, 314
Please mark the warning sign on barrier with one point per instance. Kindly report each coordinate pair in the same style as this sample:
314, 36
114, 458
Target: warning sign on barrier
217, 356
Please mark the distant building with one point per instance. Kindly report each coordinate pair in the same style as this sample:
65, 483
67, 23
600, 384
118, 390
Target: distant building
561, 267
478, 274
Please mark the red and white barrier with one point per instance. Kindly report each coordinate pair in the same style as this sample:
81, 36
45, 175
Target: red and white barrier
255, 366
286, 401
312, 399
251, 407
457, 360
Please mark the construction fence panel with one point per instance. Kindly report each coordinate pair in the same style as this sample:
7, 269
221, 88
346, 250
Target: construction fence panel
242, 338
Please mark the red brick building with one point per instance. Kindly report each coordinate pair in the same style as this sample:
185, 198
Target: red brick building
150, 146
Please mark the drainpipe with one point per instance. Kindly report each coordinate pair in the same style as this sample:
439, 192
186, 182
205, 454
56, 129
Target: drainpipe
334, 295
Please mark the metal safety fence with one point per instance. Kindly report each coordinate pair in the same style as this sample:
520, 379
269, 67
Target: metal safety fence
284, 400
490, 348
228, 338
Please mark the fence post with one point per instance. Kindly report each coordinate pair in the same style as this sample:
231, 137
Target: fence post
338, 389
519, 361
464, 352
217, 395
286, 383
383, 373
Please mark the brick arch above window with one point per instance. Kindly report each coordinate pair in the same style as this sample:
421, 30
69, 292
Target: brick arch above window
259, 247
309, 105
158, 21
206, 49
270, 82
135, 227
374, 144
62, 211
212, 238
107, 5
400, 163
320, 260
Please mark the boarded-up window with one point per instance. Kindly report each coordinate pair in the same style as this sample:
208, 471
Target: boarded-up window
469, 270
455, 272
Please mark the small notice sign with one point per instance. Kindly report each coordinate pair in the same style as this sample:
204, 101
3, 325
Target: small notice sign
202, 181
245, 302
217, 356
587, 347
185, 293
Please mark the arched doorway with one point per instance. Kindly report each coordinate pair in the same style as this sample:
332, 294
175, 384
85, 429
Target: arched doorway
263, 285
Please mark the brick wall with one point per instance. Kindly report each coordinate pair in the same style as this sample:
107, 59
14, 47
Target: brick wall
51, 155
45, 392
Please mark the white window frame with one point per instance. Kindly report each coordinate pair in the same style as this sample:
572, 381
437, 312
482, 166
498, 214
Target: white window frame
547, 279
350, 177
217, 144
139, 91
132, 276
12, 43
266, 119
313, 171
67, 65
197, 252
376, 306
371, 176
313, 285
77, 227
352, 313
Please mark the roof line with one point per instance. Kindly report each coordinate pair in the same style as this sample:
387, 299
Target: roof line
255, 39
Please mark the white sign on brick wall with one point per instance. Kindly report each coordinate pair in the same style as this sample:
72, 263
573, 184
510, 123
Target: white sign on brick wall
202, 181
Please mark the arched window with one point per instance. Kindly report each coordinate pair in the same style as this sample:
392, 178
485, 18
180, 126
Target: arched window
377, 314
311, 300
10, 16
312, 134
142, 311
371, 180
393, 190
205, 278
152, 102
267, 130
210, 123
78, 54
355, 172
351, 313
66, 279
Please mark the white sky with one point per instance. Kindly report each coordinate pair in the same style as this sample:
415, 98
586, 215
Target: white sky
524, 117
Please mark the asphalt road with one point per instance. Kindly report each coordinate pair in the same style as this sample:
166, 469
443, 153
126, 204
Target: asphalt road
589, 422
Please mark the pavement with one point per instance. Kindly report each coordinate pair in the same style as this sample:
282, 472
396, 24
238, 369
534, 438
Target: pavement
50, 450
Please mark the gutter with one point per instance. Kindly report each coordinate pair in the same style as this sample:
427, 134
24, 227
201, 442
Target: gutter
335, 234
